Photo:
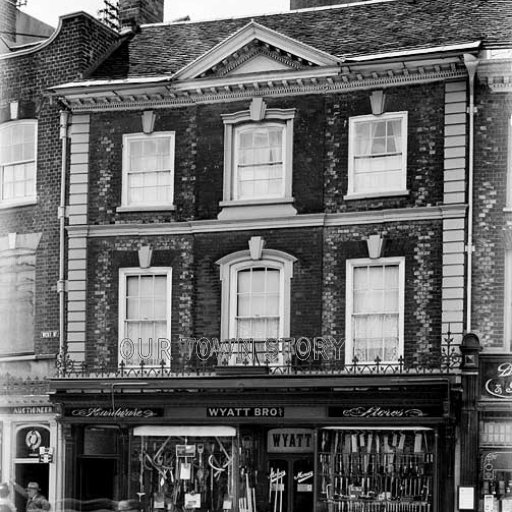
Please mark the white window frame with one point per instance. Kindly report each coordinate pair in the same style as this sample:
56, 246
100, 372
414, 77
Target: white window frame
124, 273
352, 193
128, 138
236, 151
351, 264
27, 199
10, 267
282, 206
230, 266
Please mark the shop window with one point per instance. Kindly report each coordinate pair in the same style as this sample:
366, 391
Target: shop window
144, 316
376, 469
377, 155
18, 141
375, 310
17, 294
148, 170
258, 150
185, 467
255, 300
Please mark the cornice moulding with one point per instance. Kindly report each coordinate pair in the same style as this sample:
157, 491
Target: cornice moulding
197, 93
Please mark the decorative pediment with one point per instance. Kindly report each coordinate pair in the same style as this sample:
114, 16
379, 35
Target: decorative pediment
256, 49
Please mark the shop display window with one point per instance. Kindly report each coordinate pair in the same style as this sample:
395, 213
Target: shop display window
183, 468
497, 480
366, 470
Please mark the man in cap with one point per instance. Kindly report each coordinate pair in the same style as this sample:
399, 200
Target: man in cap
36, 502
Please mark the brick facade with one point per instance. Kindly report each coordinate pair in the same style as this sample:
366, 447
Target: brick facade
492, 222
26, 77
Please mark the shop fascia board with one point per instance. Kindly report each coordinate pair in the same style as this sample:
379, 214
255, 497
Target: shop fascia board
194, 383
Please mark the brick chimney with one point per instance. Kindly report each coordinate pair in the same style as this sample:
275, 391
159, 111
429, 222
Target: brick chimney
139, 12
303, 4
8, 19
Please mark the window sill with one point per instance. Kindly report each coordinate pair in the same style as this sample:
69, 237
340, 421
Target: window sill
371, 195
507, 209
149, 208
256, 209
15, 204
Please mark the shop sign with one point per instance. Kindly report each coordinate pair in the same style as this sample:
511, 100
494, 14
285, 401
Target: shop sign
45, 455
301, 478
118, 412
290, 440
245, 412
498, 380
496, 461
34, 409
376, 412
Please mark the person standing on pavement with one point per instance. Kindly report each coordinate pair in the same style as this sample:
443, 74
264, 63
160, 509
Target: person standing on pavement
36, 502
6, 505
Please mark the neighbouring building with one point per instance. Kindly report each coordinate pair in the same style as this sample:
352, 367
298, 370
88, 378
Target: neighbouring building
266, 298
492, 271
31, 140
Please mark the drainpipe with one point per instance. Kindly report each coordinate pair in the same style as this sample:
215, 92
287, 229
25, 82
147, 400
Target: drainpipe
471, 63
61, 285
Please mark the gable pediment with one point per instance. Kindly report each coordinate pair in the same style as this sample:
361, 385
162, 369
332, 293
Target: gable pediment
255, 49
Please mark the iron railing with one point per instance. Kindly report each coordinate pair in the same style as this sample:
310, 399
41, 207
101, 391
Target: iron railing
428, 359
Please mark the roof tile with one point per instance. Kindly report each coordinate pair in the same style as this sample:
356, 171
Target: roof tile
163, 49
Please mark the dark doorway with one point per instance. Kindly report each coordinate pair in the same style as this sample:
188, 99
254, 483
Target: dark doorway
30, 472
97, 482
294, 491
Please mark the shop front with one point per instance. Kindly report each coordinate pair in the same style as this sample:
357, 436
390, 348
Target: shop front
495, 428
28, 440
280, 450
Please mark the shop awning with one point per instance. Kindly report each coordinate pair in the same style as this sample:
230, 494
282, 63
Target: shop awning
185, 431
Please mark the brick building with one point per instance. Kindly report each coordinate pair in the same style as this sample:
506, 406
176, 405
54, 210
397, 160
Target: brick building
491, 271
266, 275
30, 195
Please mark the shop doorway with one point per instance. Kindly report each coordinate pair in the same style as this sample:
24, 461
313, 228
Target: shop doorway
292, 479
97, 482
30, 472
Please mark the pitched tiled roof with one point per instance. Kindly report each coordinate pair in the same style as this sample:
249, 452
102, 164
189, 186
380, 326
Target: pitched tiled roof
373, 28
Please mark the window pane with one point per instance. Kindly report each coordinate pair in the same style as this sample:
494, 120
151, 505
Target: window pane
259, 162
258, 302
375, 314
149, 177
377, 164
17, 303
146, 315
